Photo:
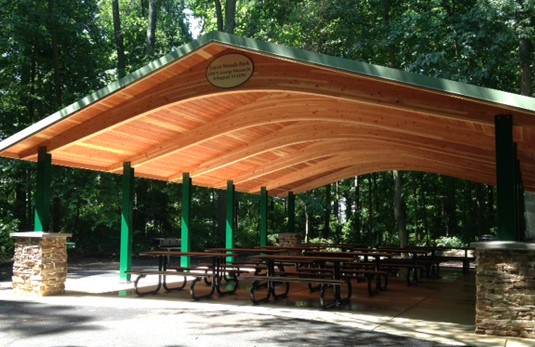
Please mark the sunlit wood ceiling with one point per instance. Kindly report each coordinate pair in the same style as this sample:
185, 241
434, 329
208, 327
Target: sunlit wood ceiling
299, 122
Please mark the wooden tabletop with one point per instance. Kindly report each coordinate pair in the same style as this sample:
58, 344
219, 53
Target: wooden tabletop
246, 250
350, 254
292, 248
189, 254
405, 250
297, 258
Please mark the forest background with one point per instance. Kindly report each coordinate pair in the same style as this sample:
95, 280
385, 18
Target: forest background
54, 52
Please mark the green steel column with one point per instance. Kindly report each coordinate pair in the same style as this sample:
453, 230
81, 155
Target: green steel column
229, 225
291, 212
185, 243
505, 179
42, 194
127, 219
263, 216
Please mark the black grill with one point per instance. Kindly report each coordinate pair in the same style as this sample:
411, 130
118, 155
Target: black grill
166, 242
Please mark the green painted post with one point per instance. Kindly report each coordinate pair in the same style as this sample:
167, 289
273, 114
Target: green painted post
42, 194
185, 243
263, 216
505, 179
229, 223
127, 219
291, 212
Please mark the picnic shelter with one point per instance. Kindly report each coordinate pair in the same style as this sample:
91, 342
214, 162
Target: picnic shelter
235, 113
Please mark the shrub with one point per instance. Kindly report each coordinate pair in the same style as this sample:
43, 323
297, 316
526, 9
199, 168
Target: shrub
449, 241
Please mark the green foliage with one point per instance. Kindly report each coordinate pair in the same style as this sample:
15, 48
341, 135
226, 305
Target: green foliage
172, 30
7, 225
445, 241
248, 221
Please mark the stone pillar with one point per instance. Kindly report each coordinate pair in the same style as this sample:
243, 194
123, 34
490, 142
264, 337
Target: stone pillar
505, 288
290, 240
40, 263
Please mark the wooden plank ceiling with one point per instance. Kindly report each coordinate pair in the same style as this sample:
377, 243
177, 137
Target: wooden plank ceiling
293, 125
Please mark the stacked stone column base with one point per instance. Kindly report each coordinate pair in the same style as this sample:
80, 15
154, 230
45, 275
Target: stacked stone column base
505, 293
40, 263
290, 240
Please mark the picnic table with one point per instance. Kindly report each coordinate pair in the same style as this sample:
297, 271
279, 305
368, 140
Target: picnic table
370, 270
273, 278
213, 274
240, 263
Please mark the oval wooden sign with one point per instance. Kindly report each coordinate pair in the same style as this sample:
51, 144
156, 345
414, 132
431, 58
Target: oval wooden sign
230, 70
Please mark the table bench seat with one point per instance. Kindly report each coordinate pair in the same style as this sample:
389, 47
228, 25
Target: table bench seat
196, 273
408, 264
142, 273
323, 282
466, 260
353, 273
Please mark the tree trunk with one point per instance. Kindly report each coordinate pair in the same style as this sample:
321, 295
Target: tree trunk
451, 207
221, 215
480, 210
356, 214
213, 200
53, 31
327, 216
390, 48
526, 52
307, 226
151, 27
227, 24
399, 211
121, 59
230, 16
337, 214
423, 203
21, 201
370, 211
237, 212
219, 15
469, 212
491, 211
27, 80
416, 206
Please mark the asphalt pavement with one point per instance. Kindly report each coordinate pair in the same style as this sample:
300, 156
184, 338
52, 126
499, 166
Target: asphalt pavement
98, 309
28, 324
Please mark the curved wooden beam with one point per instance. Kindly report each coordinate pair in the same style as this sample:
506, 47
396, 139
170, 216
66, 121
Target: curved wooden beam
340, 147
344, 172
287, 107
318, 131
421, 159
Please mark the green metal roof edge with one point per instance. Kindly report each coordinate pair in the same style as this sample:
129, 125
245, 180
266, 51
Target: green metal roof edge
289, 53
380, 72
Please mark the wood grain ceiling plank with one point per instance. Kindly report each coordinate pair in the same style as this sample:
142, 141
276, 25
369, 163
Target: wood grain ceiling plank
302, 134
379, 166
243, 118
322, 149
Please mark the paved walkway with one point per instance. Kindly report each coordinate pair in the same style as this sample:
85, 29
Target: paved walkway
99, 310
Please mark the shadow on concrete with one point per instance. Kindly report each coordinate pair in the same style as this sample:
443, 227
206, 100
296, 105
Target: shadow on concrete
30, 323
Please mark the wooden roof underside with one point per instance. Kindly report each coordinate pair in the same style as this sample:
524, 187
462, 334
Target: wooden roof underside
293, 126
